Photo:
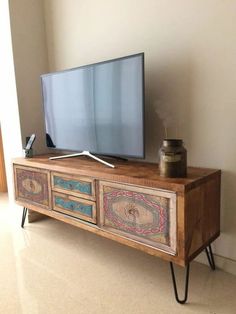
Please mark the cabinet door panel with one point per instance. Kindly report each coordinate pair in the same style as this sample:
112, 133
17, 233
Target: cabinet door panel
32, 186
146, 215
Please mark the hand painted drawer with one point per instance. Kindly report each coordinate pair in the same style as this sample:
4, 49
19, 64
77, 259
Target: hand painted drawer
73, 185
32, 186
75, 207
146, 215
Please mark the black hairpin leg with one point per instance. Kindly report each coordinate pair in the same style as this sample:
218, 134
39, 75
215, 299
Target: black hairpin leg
23, 217
175, 286
210, 257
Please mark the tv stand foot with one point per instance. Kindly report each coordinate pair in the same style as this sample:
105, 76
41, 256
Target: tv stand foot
84, 153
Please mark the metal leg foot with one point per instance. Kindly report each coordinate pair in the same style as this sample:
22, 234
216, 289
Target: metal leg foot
23, 217
210, 257
175, 286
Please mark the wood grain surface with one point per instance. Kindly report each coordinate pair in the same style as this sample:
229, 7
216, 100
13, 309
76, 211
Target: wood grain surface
196, 220
129, 172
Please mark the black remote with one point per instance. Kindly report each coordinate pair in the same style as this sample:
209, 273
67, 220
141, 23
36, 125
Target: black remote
30, 142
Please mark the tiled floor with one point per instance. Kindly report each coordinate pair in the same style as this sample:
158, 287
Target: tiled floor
50, 267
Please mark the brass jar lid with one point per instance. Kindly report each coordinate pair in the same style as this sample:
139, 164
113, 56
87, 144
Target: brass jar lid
172, 142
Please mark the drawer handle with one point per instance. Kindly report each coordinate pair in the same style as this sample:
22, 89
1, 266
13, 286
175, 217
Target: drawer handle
132, 212
32, 186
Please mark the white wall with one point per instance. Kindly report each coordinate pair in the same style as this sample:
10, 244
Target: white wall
9, 114
190, 52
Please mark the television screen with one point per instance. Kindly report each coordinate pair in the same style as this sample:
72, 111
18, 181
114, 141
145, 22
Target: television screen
98, 108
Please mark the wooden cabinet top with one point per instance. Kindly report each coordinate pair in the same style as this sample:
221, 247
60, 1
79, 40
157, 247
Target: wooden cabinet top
129, 172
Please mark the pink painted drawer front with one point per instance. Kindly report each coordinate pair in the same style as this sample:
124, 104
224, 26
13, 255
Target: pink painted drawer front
32, 186
146, 215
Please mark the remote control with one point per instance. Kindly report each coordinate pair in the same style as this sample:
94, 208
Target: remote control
30, 142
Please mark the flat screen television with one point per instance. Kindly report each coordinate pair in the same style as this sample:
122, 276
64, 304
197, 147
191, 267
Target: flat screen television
97, 108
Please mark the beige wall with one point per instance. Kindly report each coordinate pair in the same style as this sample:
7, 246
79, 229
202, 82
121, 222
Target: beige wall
30, 59
190, 62
190, 71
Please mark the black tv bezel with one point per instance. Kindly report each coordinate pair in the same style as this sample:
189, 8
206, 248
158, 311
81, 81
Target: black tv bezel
90, 65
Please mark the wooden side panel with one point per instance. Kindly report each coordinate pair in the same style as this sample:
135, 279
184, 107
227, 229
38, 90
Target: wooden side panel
180, 227
32, 186
146, 215
202, 216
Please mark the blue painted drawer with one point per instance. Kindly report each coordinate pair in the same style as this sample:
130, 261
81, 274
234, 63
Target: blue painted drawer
73, 185
75, 207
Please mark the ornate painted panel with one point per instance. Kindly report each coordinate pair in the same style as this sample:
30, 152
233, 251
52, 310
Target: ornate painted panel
32, 186
73, 185
74, 206
147, 215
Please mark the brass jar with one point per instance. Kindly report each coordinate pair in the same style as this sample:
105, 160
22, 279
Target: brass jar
173, 159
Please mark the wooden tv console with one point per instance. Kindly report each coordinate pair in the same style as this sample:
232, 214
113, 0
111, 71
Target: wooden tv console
174, 219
